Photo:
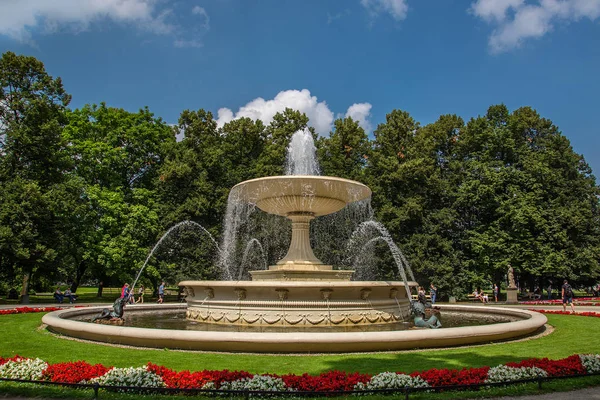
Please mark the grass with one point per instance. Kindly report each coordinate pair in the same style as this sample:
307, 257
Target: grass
23, 335
573, 334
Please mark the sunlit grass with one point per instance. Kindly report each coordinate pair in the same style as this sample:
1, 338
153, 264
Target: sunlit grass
572, 334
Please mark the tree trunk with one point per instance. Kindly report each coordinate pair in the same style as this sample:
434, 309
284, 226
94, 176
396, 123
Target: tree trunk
81, 267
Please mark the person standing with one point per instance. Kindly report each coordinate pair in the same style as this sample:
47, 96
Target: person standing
432, 293
496, 292
549, 290
125, 290
161, 293
567, 296
421, 296
140, 295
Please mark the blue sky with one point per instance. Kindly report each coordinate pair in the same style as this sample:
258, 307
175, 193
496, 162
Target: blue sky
328, 58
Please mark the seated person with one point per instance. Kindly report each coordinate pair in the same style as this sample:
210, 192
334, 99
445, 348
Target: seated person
484, 297
479, 294
70, 295
58, 295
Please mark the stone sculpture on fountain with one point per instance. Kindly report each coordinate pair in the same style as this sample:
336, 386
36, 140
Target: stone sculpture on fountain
114, 317
418, 311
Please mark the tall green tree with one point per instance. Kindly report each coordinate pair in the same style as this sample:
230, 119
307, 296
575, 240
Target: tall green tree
33, 160
117, 157
346, 151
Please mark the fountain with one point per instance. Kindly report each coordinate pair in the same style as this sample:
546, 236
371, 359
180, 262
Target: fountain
299, 304
299, 290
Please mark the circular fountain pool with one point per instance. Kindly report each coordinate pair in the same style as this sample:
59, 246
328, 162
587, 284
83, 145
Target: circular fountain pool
506, 323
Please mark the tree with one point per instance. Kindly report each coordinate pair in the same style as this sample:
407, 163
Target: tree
526, 199
32, 157
117, 156
346, 151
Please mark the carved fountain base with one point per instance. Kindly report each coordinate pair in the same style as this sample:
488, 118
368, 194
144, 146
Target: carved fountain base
299, 304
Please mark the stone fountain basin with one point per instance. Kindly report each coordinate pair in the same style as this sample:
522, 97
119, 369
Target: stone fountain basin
317, 195
294, 342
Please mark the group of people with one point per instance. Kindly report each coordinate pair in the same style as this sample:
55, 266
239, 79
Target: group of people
60, 296
127, 293
483, 296
422, 297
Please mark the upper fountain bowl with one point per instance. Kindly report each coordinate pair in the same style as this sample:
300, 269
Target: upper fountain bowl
290, 194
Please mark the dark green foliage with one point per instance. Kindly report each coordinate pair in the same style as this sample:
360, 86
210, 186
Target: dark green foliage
85, 194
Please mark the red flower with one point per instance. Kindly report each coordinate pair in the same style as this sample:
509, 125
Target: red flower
15, 358
195, 380
326, 382
27, 310
451, 377
567, 366
74, 372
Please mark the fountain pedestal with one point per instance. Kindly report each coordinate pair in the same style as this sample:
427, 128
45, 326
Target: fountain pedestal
300, 292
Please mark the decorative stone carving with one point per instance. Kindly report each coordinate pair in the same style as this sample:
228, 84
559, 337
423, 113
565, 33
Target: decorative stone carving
209, 292
393, 293
240, 293
282, 293
511, 277
326, 294
364, 293
188, 291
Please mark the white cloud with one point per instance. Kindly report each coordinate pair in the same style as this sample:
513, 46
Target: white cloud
518, 20
361, 112
21, 19
494, 9
205, 19
319, 114
396, 8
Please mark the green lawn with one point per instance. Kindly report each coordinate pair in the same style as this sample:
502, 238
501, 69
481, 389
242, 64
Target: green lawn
22, 335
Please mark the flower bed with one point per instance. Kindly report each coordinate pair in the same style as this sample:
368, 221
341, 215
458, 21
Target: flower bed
581, 314
580, 301
156, 376
26, 310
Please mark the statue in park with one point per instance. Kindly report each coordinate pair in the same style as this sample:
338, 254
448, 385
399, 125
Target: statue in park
511, 277
417, 309
114, 316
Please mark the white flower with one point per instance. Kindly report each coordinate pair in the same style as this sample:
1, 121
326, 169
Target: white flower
392, 380
23, 368
502, 373
257, 382
140, 377
591, 362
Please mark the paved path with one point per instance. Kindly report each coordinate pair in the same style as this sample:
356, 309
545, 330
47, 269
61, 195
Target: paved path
581, 394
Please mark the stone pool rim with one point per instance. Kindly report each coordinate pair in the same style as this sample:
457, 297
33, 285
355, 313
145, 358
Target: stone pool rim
294, 342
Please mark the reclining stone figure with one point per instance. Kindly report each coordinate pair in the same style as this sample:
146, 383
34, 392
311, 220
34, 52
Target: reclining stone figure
417, 309
115, 314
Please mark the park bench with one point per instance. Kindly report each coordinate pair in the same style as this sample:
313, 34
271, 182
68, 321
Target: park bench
472, 297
